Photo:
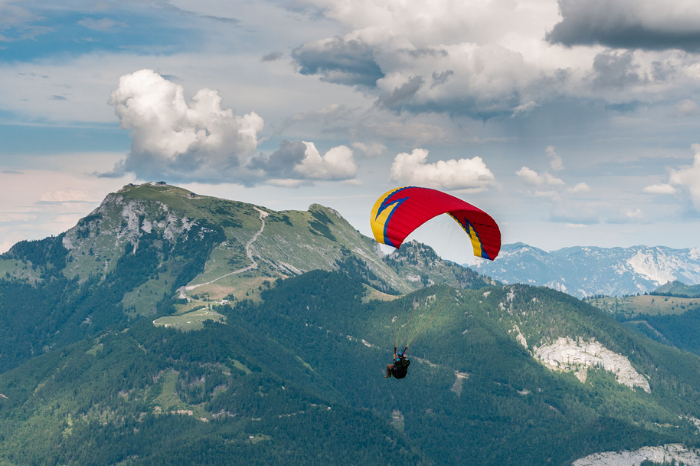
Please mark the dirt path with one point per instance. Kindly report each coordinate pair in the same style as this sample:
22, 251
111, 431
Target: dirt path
252, 266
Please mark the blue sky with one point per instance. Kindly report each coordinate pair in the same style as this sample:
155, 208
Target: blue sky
569, 127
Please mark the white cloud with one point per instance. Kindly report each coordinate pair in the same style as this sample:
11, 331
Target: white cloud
554, 160
688, 179
174, 138
336, 164
660, 189
353, 182
524, 108
686, 108
580, 188
532, 177
468, 174
489, 59
288, 182
373, 149
575, 225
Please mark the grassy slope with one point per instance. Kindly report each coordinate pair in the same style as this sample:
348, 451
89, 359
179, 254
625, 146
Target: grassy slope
671, 320
631, 306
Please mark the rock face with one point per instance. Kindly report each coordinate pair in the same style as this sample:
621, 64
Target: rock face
586, 271
569, 355
658, 455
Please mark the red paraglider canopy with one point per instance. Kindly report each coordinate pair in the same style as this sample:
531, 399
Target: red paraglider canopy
400, 211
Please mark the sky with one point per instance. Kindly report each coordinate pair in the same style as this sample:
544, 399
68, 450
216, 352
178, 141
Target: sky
571, 122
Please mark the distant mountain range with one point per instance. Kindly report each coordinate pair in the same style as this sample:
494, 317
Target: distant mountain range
585, 271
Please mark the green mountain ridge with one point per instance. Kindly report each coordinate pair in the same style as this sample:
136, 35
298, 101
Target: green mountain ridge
679, 289
293, 371
149, 248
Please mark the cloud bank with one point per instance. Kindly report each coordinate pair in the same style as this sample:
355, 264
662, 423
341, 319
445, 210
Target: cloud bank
488, 60
629, 24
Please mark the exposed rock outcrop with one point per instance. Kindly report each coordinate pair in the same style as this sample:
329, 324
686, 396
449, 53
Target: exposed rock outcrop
569, 355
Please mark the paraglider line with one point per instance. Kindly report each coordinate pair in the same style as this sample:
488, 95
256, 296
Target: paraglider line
429, 321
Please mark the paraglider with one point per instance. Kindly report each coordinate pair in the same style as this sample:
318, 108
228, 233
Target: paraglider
399, 369
397, 213
400, 211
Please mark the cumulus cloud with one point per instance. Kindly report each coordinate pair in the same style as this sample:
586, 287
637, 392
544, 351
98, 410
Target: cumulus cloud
463, 174
401, 96
282, 161
660, 189
175, 139
373, 149
554, 159
339, 61
420, 57
299, 162
683, 182
336, 164
688, 178
615, 70
629, 24
533, 178
580, 188
488, 60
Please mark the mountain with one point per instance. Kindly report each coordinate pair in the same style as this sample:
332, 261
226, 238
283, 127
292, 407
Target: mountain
586, 271
678, 288
173, 328
154, 250
511, 375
